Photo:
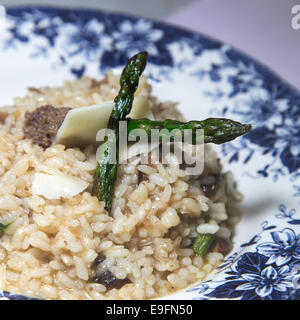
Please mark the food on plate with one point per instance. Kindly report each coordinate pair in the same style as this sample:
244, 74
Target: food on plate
74, 227
80, 126
106, 172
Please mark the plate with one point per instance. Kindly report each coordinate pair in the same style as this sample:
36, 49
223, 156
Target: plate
44, 46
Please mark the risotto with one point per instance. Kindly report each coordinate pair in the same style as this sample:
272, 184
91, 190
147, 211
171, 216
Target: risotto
70, 248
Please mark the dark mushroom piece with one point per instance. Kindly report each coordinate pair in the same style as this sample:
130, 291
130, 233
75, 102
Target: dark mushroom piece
110, 281
106, 277
209, 185
42, 124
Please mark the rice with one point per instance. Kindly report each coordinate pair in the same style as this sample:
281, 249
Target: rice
48, 250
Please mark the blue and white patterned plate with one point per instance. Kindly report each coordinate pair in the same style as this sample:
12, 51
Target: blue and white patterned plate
44, 46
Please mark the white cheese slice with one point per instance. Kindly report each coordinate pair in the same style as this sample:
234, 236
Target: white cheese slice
56, 186
81, 125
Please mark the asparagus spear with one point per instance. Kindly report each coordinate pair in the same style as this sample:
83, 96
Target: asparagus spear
216, 130
106, 171
3, 227
202, 243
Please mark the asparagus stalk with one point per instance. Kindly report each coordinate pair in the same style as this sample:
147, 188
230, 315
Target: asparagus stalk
106, 172
3, 227
202, 243
216, 130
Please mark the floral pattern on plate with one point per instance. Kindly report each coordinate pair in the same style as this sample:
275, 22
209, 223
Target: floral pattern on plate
228, 84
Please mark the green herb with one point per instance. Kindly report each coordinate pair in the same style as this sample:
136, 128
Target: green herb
3, 227
202, 243
216, 130
106, 172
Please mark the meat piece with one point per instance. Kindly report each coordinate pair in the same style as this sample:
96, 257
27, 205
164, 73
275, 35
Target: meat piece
110, 281
42, 124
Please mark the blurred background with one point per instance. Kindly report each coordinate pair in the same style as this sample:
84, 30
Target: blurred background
260, 28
